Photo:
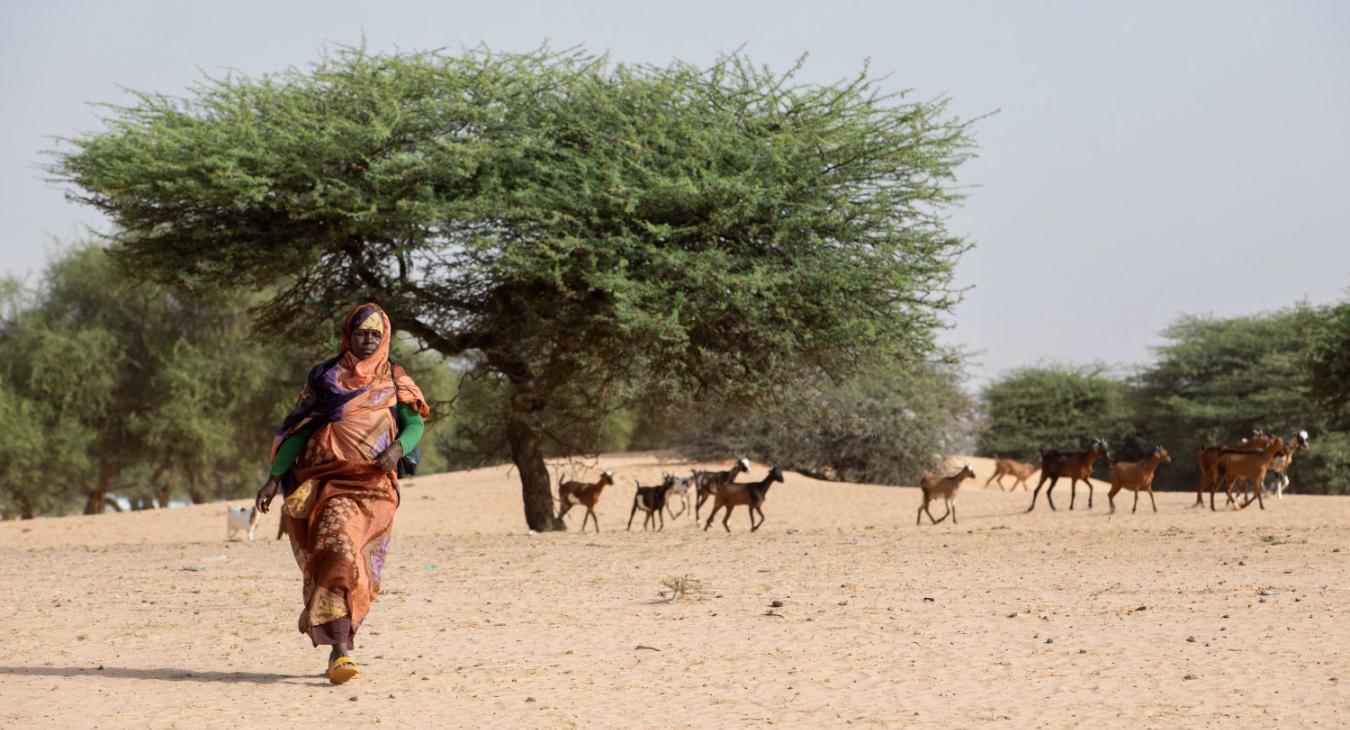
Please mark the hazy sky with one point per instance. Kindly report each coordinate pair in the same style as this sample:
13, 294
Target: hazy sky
1148, 159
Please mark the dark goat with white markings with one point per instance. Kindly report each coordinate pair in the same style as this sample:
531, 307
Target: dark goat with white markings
651, 500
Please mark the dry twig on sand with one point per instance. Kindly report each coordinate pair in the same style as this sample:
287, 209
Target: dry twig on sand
684, 586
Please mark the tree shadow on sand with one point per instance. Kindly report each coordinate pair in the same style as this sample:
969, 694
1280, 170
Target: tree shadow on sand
163, 674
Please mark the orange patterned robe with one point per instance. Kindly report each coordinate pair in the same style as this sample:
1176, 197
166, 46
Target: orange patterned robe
339, 505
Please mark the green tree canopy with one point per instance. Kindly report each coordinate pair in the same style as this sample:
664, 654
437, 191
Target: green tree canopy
1329, 358
889, 425
111, 384
1217, 380
571, 224
1054, 407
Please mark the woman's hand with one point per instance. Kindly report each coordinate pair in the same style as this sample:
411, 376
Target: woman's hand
266, 493
388, 459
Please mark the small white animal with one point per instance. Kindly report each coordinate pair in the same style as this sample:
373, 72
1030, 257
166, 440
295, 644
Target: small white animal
241, 519
683, 489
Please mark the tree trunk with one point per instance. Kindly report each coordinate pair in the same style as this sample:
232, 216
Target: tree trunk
195, 493
98, 496
534, 479
163, 488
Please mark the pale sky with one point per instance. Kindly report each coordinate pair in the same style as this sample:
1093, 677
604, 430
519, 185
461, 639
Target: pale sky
1148, 159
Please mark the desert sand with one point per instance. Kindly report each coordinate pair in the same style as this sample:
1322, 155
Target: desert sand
1183, 618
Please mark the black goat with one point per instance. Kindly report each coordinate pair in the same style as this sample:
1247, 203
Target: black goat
1075, 465
651, 500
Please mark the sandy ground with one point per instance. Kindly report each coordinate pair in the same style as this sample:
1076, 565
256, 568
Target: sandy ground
1182, 618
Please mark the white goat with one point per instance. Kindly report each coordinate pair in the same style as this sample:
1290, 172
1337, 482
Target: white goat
683, 490
241, 519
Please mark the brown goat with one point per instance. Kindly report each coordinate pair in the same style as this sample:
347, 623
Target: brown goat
1008, 467
1236, 464
750, 494
1136, 474
708, 482
1209, 461
1076, 465
574, 493
945, 487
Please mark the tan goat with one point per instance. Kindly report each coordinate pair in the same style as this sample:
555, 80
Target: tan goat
1209, 462
1136, 474
1235, 465
1010, 468
944, 487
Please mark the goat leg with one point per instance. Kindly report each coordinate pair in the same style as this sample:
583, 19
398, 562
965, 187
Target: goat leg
1232, 484
1048, 492
1037, 493
631, 513
711, 515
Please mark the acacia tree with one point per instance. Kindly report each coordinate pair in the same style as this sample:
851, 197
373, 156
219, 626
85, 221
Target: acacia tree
112, 385
1054, 407
1328, 358
1218, 379
571, 224
886, 426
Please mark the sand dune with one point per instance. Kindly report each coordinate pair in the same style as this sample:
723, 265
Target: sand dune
1041, 619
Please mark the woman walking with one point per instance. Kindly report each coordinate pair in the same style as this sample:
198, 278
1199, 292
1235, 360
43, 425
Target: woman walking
335, 460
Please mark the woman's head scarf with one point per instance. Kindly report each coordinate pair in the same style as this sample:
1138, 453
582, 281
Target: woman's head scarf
336, 386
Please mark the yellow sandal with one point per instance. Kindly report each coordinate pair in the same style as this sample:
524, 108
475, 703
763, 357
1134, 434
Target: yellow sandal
342, 670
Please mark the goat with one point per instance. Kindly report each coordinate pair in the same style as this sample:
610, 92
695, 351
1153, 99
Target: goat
241, 519
587, 495
683, 487
1017, 470
1282, 461
1235, 464
750, 494
710, 481
1075, 465
1209, 461
944, 487
651, 500
1136, 474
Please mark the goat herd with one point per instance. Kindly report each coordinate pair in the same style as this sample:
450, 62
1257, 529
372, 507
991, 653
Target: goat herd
722, 486
1226, 466
1221, 466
